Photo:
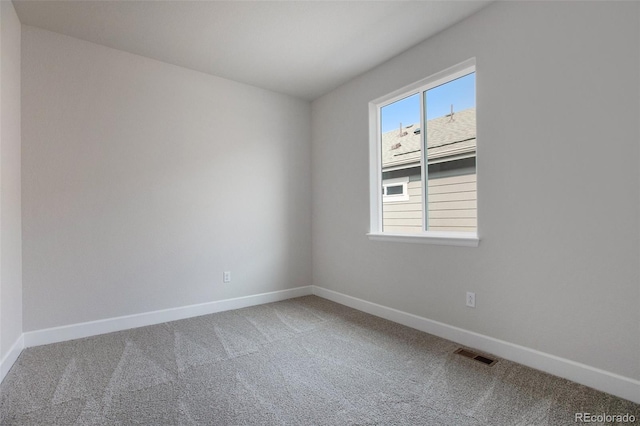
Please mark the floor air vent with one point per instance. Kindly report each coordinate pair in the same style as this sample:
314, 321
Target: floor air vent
477, 357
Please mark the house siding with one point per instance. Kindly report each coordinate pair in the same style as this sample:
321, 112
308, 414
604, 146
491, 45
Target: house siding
453, 203
452, 206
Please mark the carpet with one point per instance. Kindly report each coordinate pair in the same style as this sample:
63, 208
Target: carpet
304, 361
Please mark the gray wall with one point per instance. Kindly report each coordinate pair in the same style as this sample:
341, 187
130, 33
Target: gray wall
143, 182
558, 184
10, 216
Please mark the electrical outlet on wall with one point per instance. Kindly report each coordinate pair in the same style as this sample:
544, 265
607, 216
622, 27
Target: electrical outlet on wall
471, 299
226, 277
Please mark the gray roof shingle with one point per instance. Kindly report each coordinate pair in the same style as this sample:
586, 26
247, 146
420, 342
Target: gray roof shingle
445, 137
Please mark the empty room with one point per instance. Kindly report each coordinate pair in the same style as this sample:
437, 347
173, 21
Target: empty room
319, 212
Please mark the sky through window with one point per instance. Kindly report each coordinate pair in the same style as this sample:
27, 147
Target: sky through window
460, 93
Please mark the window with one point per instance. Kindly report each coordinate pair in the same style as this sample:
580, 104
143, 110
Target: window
395, 190
423, 160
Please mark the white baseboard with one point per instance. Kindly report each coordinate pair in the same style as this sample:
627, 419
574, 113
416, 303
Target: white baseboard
109, 325
10, 358
602, 380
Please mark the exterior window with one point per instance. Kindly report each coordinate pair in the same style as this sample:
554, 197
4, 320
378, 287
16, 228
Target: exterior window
395, 190
423, 157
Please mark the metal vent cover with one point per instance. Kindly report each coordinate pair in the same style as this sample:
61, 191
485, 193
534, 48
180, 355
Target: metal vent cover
475, 356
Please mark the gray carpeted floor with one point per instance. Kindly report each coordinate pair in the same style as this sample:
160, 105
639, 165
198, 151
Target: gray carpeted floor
305, 361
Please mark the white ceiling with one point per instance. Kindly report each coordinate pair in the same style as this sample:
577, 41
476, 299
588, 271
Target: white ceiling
301, 48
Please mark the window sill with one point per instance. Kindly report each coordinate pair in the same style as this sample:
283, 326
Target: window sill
438, 238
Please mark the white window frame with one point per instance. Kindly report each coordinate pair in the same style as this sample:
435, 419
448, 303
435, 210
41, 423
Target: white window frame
404, 181
376, 198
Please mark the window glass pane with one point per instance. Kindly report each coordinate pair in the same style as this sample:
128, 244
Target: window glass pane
450, 121
401, 157
394, 190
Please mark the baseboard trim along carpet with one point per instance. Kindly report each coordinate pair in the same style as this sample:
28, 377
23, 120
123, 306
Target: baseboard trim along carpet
602, 380
615, 384
109, 325
10, 358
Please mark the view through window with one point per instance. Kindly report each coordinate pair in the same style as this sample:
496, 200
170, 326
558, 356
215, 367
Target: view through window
442, 119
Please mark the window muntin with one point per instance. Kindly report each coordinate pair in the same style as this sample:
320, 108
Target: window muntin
437, 113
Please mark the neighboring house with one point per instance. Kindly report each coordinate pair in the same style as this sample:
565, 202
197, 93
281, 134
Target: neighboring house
451, 191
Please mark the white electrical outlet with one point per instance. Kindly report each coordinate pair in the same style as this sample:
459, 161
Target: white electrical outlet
226, 277
471, 299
